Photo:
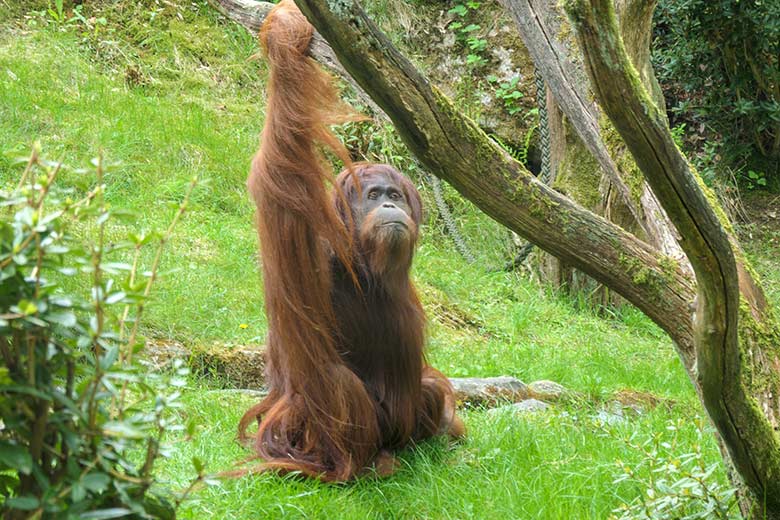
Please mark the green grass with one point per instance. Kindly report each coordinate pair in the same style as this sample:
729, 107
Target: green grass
559, 465
54, 90
761, 238
166, 91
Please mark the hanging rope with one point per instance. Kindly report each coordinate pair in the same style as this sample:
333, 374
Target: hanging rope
449, 221
544, 146
544, 127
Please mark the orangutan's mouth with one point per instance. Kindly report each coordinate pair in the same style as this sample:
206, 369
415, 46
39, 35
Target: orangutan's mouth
394, 224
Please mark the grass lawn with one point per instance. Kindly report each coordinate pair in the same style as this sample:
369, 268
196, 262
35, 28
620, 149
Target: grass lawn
166, 90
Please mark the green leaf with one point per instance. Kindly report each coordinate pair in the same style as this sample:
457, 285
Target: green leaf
23, 503
115, 267
8, 272
101, 514
115, 297
63, 399
25, 390
15, 457
110, 357
78, 492
198, 464
96, 481
57, 249
36, 321
66, 319
61, 301
27, 307
477, 44
122, 430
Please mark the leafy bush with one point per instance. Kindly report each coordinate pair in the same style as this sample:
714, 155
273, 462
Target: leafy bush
675, 485
82, 425
720, 61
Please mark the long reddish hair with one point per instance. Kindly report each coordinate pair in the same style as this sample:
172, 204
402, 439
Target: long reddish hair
345, 367
318, 419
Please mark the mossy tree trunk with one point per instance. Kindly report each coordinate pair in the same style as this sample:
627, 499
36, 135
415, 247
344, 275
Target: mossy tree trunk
716, 314
592, 166
736, 336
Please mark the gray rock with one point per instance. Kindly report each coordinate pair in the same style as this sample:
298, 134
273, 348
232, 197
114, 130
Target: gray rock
488, 391
527, 406
611, 415
546, 390
530, 406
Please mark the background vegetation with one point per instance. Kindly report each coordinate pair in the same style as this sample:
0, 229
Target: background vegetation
169, 90
719, 63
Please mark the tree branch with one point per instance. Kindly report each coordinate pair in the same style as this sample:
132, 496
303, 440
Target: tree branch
250, 14
540, 25
745, 430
